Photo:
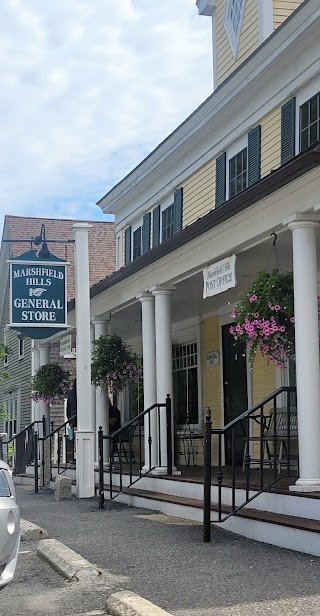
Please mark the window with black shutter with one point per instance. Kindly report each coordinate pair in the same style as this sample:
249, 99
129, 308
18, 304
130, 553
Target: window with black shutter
310, 122
156, 226
146, 230
221, 179
127, 246
167, 223
288, 131
254, 155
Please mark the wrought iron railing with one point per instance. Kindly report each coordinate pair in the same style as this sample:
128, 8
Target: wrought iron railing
56, 449
127, 445
19, 450
266, 432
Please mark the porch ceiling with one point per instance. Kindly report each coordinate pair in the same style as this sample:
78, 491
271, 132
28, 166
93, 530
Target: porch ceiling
187, 299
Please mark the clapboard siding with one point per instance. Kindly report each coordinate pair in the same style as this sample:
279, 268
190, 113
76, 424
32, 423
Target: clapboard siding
199, 193
19, 370
270, 141
282, 9
249, 39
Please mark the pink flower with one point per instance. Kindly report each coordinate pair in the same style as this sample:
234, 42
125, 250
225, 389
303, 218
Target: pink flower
292, 319
233, 314
282, 328
238, 328
277, 307
253, 298
270, 305
256, 315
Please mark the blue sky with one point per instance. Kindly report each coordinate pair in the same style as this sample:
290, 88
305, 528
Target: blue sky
87, 89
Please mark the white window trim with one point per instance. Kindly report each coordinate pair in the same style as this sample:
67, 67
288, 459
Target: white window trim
185, 333
234, 149
163, 206
119, 248
134, 227
5, 343
233, 38
303, 96
21, 355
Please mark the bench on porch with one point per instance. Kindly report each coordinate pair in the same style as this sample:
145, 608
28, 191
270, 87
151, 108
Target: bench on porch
269, 431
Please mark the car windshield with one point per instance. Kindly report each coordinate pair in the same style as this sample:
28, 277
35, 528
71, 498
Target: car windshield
4, 488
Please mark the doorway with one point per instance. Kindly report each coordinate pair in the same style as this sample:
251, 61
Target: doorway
235, 392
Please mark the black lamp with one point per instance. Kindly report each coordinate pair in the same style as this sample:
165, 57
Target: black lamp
44, 253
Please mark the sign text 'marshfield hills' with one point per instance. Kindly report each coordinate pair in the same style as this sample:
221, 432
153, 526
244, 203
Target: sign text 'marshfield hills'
38, 294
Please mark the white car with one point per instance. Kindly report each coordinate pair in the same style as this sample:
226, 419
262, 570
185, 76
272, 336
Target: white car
9, 526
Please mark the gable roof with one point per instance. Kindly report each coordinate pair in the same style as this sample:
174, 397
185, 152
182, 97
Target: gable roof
102, 244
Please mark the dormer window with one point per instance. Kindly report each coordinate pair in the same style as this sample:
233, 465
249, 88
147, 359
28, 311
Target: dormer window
233, 21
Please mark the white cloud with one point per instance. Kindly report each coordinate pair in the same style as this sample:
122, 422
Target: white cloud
88, 89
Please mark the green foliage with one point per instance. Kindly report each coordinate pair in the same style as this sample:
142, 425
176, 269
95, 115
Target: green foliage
114, 364
4, 375
264, 317
51, 383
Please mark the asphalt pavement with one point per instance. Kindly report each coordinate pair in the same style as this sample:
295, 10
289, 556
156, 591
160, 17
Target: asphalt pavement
164, 560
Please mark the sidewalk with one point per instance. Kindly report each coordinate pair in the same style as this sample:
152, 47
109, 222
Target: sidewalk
164, 560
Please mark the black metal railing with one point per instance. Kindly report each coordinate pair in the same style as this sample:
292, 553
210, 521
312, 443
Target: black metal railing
264, 434
127, 445
56, 449
19, 450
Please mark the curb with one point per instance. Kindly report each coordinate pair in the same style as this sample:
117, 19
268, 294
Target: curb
66, 561
126, 603
30, 531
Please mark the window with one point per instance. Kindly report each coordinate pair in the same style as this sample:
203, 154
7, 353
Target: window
10, 407
238, 173
185, 383
310, 122
233, 21
167, 222
20, 348
5, 344
137, 243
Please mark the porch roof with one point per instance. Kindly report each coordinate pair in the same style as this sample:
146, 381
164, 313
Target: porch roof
297, 167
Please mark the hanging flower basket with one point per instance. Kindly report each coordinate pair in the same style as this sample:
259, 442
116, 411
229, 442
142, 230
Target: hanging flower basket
50, 383
264, 317
114, 364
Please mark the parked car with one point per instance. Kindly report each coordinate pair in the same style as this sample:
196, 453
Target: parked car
9, 526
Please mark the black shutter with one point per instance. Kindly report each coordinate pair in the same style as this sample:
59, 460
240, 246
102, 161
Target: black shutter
127, 246
156, 226
146, 233
177, 210
254, 155
288, 131
221, 179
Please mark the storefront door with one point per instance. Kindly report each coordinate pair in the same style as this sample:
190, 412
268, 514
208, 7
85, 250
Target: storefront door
234, 391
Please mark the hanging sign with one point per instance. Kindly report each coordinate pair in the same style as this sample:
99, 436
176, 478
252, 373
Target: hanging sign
65, 345
38, 294
219, 277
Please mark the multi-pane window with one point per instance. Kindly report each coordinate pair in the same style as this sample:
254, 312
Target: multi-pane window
235, 14
185, 383
167, 223
137, 243
10, 407
310, 122
20, 348
238, 173
5, 344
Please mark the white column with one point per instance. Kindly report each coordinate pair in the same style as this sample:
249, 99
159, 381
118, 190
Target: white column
164, 366
44, 407
93, 392
85, 420
35, 410
101, 399
149, 379
307, 352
